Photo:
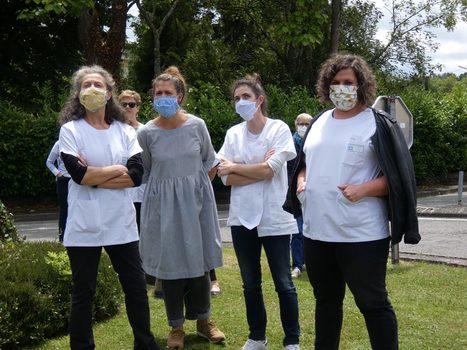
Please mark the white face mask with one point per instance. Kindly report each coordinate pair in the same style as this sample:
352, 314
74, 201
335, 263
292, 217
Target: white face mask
93, 98
344, 97
246, 109
301, 130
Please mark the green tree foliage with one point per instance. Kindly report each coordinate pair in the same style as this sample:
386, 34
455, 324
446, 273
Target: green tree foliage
410, 39
25, 141
42, 9
34, 51
360, 20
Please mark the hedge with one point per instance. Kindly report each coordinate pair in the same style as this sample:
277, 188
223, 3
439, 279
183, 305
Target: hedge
440, 126
35, 291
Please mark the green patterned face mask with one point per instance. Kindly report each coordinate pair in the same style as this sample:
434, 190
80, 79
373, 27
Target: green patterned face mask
93, 98
344, 97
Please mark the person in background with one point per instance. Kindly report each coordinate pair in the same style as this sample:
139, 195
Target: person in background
131, 100
102, 155
253, 162
301, 124
215, 287
355, 163
61, 178
180, 234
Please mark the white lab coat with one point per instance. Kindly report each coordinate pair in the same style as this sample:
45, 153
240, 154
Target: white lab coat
99, 216
260, 204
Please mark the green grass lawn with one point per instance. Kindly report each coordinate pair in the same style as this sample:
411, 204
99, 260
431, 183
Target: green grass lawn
430, 301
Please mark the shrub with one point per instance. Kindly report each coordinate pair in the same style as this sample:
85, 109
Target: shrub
8, 230
36, 289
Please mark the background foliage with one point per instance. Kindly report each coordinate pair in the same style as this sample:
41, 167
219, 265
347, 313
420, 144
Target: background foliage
35, 292
215, 42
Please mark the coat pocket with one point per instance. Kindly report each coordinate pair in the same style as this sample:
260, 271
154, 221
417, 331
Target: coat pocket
86, 216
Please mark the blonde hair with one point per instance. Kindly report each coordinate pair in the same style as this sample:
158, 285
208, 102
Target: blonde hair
172, 74
303, 116
130, 94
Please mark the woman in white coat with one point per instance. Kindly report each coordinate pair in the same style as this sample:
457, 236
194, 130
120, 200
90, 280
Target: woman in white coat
103, 157
254, 163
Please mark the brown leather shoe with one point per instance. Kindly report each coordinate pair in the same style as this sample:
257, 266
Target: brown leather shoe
208, 330
176, 339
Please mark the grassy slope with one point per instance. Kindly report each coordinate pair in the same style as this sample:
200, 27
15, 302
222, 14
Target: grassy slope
429, 299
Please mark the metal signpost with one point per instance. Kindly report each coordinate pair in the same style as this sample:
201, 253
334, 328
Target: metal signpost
397, 109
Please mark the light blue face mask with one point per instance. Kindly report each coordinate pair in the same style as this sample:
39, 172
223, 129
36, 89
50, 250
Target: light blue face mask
166, 106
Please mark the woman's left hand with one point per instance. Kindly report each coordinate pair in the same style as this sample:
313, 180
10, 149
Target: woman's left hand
225, 167
352, 192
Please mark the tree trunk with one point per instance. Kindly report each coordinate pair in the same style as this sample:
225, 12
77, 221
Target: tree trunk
101, 48
157, 54
336, 6
150, 19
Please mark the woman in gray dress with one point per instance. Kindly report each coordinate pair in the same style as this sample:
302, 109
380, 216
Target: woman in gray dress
180, 235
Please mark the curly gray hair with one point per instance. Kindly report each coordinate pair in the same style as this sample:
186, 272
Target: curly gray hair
74, 110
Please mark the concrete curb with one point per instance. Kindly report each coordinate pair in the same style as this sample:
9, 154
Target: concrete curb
447, 212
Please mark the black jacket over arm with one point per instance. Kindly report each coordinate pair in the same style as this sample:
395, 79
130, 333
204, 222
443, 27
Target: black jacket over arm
396, 164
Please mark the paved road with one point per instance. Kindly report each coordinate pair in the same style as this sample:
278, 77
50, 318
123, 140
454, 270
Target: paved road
443, 226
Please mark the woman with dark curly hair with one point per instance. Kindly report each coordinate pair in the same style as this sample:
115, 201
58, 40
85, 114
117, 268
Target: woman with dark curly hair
349, 173
102, 155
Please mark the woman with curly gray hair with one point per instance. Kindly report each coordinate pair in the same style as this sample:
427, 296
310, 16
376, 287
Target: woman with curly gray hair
348, 180
102, 155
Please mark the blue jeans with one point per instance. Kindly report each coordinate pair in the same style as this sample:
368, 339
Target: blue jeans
361, 266
247, 247
296, 246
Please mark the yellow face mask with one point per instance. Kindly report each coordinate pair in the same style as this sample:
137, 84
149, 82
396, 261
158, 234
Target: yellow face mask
93, 98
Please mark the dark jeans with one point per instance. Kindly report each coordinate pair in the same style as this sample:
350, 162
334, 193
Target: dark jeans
296, 246
362, 266
126, 262
247, 247
193, 293
62, 195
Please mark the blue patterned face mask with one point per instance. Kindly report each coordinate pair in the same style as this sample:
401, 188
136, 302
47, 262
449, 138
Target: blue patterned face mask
166, 106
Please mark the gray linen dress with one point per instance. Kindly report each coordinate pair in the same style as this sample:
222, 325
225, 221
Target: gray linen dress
180, 235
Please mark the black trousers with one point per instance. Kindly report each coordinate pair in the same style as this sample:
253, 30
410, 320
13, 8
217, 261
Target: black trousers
362, 266
126, 262
62, 195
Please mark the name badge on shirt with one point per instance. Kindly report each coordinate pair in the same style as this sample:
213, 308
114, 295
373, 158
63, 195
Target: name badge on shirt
352, 147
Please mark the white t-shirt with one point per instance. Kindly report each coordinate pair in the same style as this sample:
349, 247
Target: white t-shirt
260, 204
339, 151
99, 216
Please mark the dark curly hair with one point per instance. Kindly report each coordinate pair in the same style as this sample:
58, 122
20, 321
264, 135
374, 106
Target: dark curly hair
74, 110
366, 80
253, 81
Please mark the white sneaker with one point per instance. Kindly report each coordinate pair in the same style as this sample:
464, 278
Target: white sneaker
255, 345
296, 272
292, 347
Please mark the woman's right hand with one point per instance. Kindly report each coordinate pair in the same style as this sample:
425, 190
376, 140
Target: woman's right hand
301, 186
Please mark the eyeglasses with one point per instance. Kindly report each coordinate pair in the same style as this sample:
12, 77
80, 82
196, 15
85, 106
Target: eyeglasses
303, 124
129, 104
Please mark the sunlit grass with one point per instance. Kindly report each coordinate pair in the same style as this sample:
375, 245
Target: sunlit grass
429, 299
